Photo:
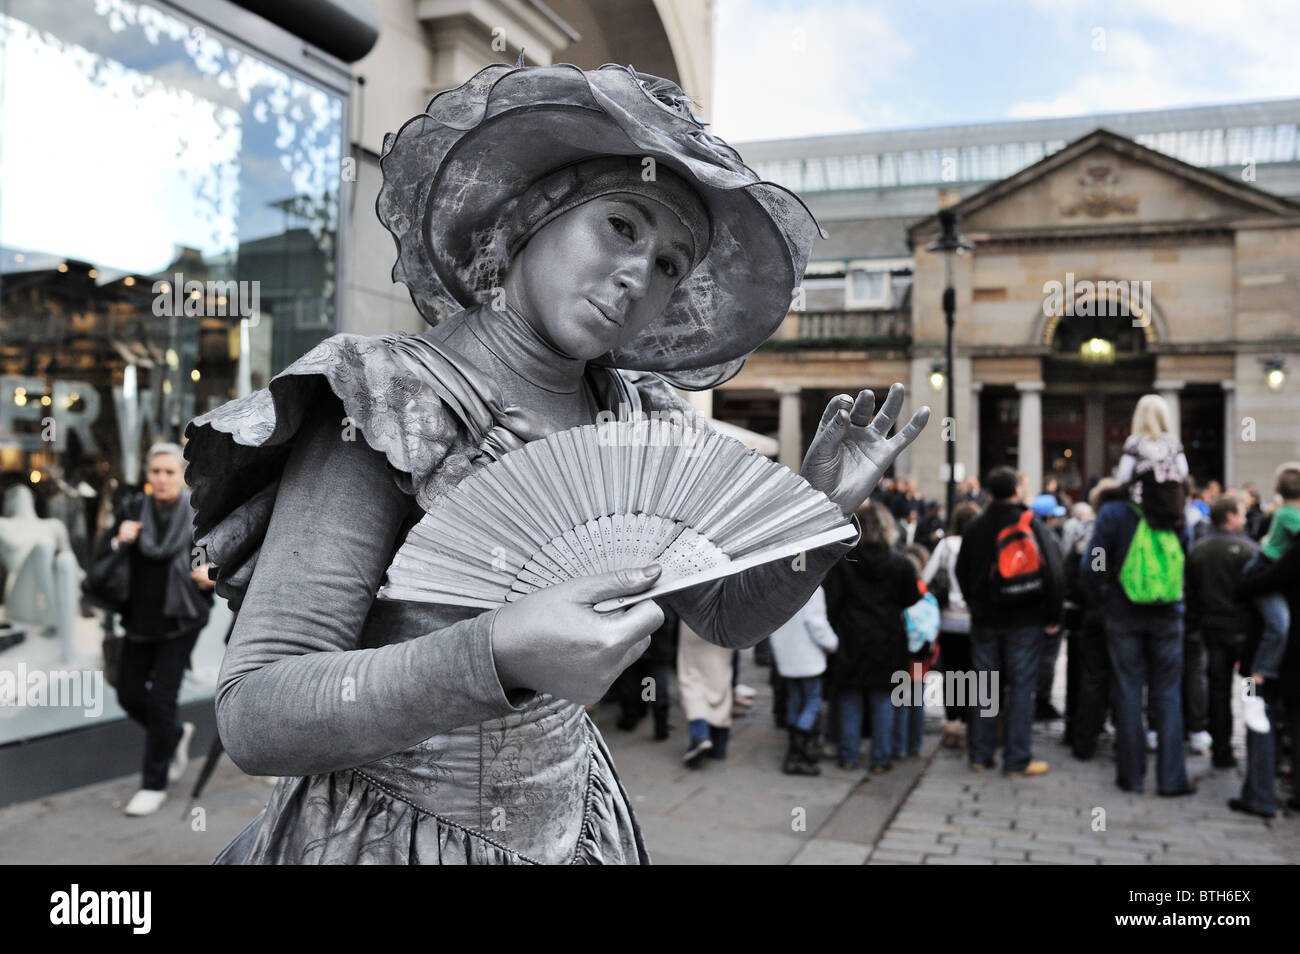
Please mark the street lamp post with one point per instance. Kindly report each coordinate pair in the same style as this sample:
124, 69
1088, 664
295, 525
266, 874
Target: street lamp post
950, 243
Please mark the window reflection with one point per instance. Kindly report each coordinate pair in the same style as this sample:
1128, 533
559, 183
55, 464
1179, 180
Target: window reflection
168, 232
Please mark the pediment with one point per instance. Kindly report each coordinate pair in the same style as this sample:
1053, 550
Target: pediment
1105, 180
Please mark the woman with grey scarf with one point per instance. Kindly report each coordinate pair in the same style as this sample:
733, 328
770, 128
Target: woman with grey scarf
168, 606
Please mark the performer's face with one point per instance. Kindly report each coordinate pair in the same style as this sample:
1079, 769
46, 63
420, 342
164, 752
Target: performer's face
596, 276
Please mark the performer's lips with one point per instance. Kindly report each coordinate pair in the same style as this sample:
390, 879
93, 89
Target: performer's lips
605, 312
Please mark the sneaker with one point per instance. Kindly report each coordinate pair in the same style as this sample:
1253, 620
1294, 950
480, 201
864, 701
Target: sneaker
1153, 740
1253, 714
697, 750
1188, 789
1036, 767
744, 692
1200, 743
1224, 762
181, 757
145, 802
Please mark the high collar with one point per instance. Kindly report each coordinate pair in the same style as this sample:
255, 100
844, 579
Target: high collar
508, 335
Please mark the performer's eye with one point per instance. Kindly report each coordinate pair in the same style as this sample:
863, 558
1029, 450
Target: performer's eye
670, 267
622, 226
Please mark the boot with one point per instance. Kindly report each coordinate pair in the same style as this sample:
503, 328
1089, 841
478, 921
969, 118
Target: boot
809, 749
793, 764
720, 739
796, 758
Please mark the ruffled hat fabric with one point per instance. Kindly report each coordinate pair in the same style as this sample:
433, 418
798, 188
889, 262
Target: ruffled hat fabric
453, 175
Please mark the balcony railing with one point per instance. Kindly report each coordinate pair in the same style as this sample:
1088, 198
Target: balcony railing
844, 329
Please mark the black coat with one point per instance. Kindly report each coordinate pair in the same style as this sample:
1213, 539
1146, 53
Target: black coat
866, 594
975, 562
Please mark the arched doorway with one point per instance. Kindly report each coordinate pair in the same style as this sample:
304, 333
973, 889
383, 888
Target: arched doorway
1097, 369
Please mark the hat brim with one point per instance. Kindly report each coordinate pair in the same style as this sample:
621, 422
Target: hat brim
452, 181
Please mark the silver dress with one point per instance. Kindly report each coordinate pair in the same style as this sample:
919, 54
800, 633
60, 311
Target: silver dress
386, 721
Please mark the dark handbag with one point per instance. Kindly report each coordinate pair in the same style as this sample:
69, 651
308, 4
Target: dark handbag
941, 586
108, 584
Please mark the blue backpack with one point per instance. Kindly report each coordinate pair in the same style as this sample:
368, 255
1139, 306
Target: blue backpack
922, 620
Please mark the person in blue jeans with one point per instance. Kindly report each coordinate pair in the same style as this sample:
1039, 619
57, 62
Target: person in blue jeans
1145, 645
1009, 570
799, 649
866, 593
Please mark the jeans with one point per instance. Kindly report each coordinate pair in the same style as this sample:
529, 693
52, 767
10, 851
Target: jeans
1275, 612
882, 725
148, 684
1222, 651
1195, 688
805, 702
1257, 789
909, 724
1013, 654
1147, 650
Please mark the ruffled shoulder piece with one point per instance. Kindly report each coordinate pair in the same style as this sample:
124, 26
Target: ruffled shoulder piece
419, 403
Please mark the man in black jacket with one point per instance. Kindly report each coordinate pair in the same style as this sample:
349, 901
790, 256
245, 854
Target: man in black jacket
1008, 616
1214, 568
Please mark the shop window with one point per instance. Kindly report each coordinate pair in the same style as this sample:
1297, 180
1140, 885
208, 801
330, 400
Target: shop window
168, 239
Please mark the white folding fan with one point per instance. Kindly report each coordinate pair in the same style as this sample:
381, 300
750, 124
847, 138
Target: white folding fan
604, 497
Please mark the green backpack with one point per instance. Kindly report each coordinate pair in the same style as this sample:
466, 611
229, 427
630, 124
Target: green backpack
1153, 568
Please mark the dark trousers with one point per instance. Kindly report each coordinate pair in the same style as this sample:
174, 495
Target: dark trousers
1087, 685
1013, 654
1147, 650
954, 656
1258, 788
1195, 686
148, 684
1222, 651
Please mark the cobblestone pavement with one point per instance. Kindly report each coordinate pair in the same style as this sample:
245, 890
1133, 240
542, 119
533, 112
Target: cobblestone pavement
1076, 815
930, 810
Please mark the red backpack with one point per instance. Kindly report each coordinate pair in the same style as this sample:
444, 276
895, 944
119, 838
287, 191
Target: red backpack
1016, 575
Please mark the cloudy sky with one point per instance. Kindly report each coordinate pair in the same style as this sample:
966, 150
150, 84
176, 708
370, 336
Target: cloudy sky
788, 68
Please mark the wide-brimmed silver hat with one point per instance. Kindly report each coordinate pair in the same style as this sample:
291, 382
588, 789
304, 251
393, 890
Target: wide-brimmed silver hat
454, 175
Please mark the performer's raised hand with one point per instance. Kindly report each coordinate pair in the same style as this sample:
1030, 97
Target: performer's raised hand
852, 450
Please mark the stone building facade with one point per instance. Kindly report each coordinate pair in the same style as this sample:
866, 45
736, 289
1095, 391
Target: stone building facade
1104, 271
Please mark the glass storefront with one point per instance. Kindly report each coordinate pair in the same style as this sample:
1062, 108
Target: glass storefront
169, 225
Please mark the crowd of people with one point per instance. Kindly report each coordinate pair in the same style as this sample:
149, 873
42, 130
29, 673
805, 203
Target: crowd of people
1166, 598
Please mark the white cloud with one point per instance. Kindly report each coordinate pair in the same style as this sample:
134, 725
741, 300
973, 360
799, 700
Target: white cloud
1172, 53
819, 70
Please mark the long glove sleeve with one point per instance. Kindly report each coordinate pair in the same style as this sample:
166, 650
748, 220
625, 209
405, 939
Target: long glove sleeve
297, 694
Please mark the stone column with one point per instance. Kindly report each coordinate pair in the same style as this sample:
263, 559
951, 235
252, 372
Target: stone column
1031, 433
790, 434
1170, 390
973, 414
1094, 435
1231, 431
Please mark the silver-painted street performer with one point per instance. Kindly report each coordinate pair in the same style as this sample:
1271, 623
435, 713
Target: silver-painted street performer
577, 242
